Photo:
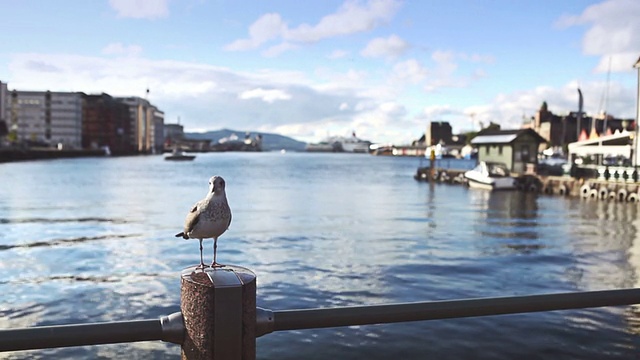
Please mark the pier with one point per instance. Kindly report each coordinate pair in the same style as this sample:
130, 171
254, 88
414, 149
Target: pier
618, 184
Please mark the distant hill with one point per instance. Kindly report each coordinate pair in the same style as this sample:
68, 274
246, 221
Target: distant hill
270, 142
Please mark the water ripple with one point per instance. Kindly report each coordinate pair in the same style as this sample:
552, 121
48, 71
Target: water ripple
62, 220
57, 242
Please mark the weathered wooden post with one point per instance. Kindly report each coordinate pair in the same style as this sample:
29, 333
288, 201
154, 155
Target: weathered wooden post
219, 310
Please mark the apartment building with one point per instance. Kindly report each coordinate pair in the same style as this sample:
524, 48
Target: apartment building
76, 120
3, 101
173, 132
147, 124
4, 127
106, 122
45, 117
158, 132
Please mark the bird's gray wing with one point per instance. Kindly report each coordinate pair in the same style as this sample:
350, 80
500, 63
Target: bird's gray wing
229, 224
192, 219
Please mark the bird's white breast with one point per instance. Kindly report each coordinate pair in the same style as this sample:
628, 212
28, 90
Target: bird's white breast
213, 220
209, 229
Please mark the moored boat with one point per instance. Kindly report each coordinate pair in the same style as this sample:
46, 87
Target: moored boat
490, 176
354, 144
351, 144
323, 147
179, 155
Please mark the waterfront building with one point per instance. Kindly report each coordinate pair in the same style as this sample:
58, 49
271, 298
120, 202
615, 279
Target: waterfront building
158, 132
615, 149
440, 132
518, 149
172, 134
173, 131
560, 130
106, 122
147, 125
45, 118
3, 101
3, 111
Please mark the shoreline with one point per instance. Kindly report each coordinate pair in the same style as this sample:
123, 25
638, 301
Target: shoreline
13, 155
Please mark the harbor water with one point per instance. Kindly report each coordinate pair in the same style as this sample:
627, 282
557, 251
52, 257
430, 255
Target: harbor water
92, 240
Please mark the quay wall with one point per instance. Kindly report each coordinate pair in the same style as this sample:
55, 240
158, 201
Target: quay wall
597, 189
10, 155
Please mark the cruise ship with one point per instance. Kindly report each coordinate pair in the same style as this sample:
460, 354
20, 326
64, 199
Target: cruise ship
351, 144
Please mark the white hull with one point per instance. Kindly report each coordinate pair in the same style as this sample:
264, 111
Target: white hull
492, 184
320, 147
351, 144
480, 178
479, 185
355, 147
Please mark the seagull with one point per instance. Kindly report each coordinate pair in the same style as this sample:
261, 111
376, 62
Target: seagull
209, 218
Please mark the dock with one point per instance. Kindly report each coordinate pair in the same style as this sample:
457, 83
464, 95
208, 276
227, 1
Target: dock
619, 188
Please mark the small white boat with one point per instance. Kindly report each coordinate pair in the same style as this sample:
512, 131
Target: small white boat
490, 176
179, 155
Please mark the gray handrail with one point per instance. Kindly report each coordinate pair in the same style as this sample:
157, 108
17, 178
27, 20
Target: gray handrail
269, 321
171, 328
168, 328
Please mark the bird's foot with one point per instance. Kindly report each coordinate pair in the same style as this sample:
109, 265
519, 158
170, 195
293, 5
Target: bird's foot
202, 266
216, 265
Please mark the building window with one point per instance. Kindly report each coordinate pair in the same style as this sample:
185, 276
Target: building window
500, 149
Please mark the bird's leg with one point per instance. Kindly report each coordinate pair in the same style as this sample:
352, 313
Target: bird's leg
214, 264
202, 266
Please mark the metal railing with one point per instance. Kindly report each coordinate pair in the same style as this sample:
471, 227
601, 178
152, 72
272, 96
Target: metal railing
175, 329
436, 310
167, 328
620, 174
171, 328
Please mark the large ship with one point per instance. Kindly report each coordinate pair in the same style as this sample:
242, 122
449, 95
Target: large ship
352, 144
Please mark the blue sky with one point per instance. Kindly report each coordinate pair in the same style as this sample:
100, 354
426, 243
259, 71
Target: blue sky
381, 68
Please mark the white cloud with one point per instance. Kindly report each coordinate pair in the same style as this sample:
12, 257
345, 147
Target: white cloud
268, 96
445, 60
141, 9
411, 71
292, 102
614, 31
443, 75
278, 49
438, 111
390, 48
266, 28
120, 49
351, 80
352, 17
478, 58
393, 108
338, 54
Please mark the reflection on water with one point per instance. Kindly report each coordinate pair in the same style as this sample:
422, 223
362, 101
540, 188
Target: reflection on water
85, 240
